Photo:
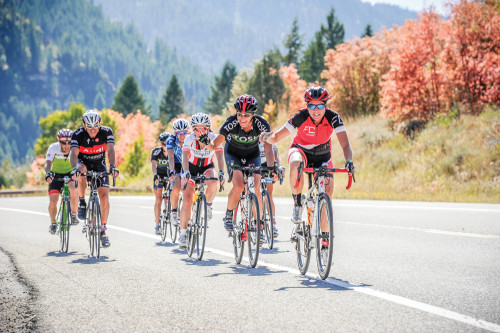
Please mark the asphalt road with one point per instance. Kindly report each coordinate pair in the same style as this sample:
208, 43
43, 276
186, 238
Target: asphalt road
398, 266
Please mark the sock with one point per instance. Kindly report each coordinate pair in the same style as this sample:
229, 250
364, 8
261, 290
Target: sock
73, 214
229, 212
209, 204
297, 199
82, 200
53, 222
183, 232
174, 210
103, 227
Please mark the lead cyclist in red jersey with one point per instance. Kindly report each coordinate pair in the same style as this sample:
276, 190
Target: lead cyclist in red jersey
312, 143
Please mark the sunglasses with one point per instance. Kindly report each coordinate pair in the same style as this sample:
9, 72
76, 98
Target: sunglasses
181, 133
94, 126
65, 142
314, 106
244, 115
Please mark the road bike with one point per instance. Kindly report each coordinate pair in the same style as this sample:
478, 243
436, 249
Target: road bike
317, 208
267, 216
92, 223
247, 227
166, 225
63, 218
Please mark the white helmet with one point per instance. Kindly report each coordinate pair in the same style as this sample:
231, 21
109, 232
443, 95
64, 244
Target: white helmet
200, 119
91, 119
180, 125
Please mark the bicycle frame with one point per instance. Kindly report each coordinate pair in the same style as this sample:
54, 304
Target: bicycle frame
64, 221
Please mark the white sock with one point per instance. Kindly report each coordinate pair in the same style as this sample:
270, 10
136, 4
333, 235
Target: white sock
183, 232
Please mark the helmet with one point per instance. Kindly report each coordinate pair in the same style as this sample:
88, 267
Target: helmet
318, 94
91, 119
200, 119
180, 125
64, 134
246, 103
163, 136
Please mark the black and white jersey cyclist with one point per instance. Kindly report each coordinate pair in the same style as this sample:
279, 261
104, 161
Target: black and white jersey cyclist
159, 167
197, 160
57, 165
174, 148
241, 133
89, 145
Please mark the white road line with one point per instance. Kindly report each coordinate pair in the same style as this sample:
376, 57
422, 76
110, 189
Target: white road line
419, 207
361, 289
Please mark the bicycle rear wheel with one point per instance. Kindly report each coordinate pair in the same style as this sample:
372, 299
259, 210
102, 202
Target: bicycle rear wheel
191, 234
238, 243
64, 223
324, 253
175, 229
201, 225
254, 230
165, 218
267, 219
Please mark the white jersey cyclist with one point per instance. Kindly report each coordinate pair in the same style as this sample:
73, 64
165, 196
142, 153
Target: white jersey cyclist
199, 157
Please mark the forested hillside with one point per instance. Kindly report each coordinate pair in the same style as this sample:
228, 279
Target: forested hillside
53, 53
210, 32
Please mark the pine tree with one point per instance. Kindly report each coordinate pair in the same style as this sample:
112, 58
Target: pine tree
313, 62
368, 31
172, 103
220, 91
293, 44
128, 99
333, 33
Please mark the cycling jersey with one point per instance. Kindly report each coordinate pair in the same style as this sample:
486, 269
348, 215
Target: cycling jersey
60, 162
199, 157
314, 139
241, 143
263, 159
161, 159
173, 144
93, 150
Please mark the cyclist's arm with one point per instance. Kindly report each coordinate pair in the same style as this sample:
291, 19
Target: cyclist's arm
268, 150
171, 160
277, 156
110, 148
344, 143
153, 166
185, 159
279, 135
218, 140
73, 156
48, 165
220, 159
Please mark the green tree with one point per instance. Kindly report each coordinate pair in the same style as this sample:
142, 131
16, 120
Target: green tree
220, 91
50, 125
313, 62
266, 83
135, 158
368, 31
293, 44
128, 99
172, 103
333, 32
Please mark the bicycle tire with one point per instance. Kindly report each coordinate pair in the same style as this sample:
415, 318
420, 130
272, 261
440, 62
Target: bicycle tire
66, 225
324, 258
164, 217
176, 228
191, 235
302, 247
201, 225
97, 228
90, 226
267, 219
253, 230
238, 243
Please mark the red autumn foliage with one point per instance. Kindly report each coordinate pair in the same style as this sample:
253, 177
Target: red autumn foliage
295, 88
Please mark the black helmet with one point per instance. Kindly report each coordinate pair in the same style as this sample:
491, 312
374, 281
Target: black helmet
318, 93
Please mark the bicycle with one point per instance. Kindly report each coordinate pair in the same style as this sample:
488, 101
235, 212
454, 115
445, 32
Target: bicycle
246, 228
63, 217
315, 205
92, 223
166, 211
267, 214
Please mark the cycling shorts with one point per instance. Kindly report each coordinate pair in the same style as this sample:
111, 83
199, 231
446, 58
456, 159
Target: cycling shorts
242, 161
103, 181
56, 186
198, 171
312, 160
178, 170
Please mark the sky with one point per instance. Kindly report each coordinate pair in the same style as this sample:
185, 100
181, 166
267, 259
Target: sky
416, 5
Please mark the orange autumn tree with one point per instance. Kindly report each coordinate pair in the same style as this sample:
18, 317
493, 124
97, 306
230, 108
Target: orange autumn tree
472, 54
354, 70
295, 88
416, 87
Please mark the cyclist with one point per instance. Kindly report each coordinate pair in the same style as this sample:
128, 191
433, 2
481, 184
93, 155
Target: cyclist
270, 186
174, 148
89, 145
57, 165
315, 124
159, 166
241, 132
198, 160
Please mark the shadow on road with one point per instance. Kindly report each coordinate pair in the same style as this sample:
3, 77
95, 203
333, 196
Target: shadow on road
274, 250
209, 262
60, 254
241, 269
165, 244
308, 282
88, 260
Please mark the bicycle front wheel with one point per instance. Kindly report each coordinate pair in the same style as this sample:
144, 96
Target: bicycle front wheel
96, 228
301, 235
254, 230
191, 235
324, 241
267, 219
64, 223
238, 243
165, 218
174, 230
201, 225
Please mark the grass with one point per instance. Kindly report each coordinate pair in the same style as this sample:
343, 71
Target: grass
451, 160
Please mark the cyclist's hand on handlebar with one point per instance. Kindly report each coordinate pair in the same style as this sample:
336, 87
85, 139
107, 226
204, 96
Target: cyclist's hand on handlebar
171, 175
156, 179
113, 171
49, 176
74, 174
222, 178
184, 178
350, 167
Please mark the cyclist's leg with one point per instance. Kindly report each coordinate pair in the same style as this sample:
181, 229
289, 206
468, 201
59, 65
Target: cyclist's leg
211, 186
295, 157
73, 197
82, 183
187, 202
174, 195
54, 190
103, 192
157, 189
